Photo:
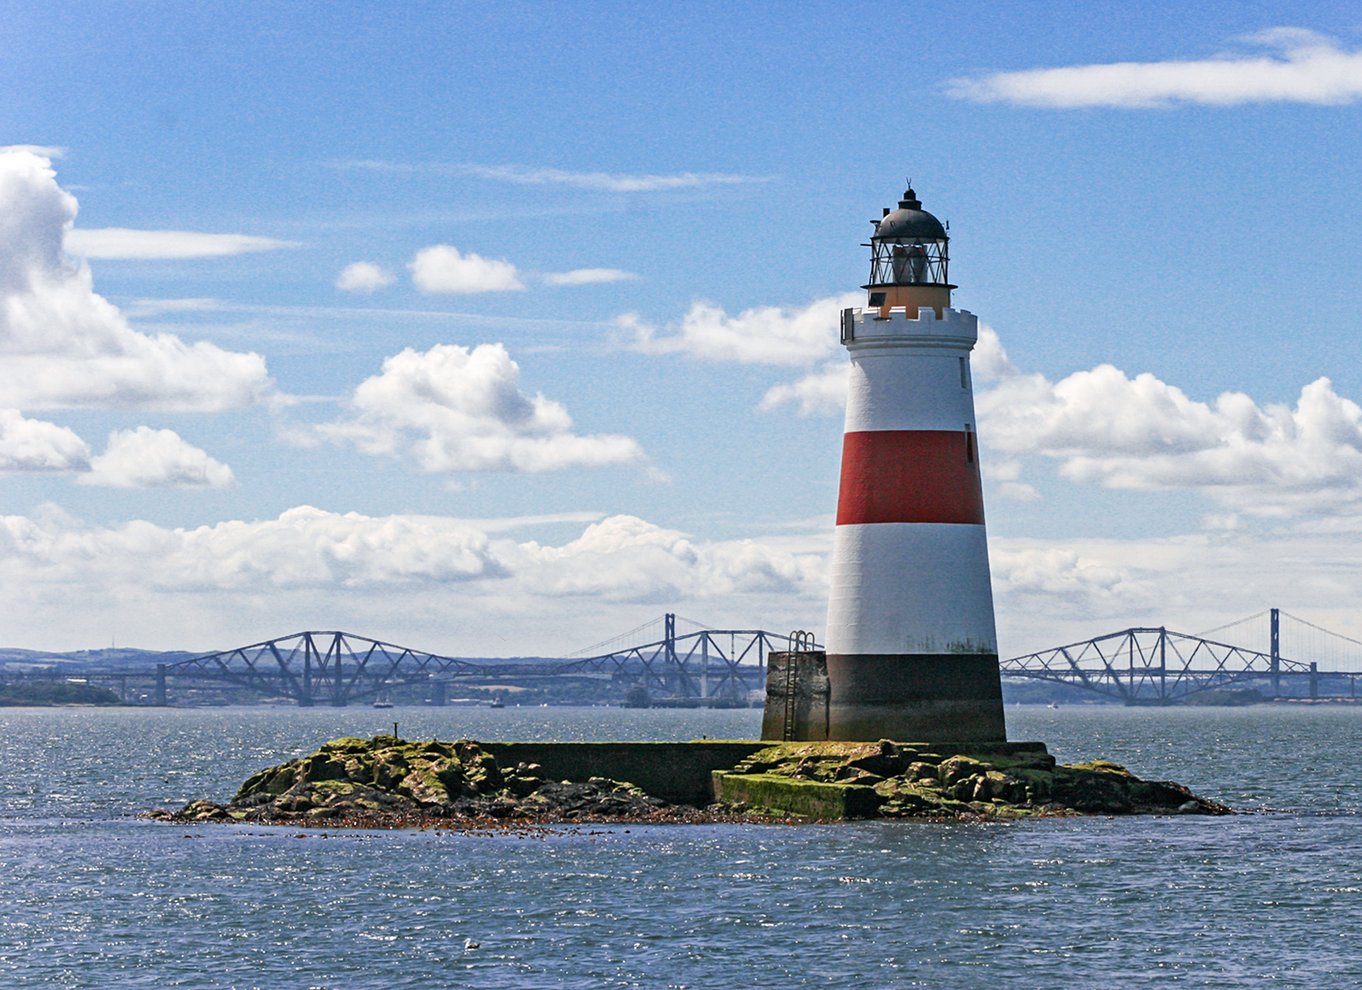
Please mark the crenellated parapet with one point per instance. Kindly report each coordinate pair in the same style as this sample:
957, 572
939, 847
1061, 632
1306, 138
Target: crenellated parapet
902, 327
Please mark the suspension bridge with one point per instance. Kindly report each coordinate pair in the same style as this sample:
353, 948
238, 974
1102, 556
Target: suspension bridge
679, 661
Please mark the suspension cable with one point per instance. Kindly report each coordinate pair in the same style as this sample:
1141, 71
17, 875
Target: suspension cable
595, 648
1236, 622
697, 625
1327, 632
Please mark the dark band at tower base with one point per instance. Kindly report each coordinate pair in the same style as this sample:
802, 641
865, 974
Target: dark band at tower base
915, 696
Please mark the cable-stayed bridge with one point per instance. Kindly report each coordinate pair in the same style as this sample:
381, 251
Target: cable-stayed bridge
677, 660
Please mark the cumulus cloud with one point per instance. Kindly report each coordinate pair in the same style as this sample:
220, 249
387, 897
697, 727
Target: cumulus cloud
456, 409
621, 559
784, 335
588, 276
443, 268
64, 346
988, 362
311, 567
1143, 434
1006, 477
303, 547
148, 458
819, 393
1293, 65
41, 150
363, 276
1070, 581
1101, 410
36, 445
122, 243
139, 458
620, 182
627, 559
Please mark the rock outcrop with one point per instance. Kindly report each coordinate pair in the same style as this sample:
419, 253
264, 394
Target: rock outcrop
899, 780
387, 782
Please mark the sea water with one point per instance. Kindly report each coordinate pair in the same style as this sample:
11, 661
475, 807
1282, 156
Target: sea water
92, 896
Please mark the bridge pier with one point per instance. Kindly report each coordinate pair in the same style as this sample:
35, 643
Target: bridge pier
160, 699
1275, 651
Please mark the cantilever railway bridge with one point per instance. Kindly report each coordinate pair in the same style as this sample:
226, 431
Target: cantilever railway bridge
1139, 665
1156, 665
336, 668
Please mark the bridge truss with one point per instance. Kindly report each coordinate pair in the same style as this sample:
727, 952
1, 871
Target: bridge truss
336, 668
717, 664
1155, 665
1140, 665
313, 667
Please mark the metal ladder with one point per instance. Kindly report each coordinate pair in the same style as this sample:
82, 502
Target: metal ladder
788, 729
800, 642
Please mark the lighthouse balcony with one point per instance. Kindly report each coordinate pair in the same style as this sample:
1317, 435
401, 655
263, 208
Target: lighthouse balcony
919, 328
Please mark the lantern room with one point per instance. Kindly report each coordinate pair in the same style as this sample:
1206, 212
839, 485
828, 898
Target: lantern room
908, 260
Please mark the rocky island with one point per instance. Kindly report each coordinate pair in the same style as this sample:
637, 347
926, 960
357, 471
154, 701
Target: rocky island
387, 782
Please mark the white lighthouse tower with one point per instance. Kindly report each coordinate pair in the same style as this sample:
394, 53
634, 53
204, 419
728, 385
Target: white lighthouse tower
911, 647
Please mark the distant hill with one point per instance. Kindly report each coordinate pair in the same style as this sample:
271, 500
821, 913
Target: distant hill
112, 659
45, 693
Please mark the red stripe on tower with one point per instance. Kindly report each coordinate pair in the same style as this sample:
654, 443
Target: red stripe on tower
910, 476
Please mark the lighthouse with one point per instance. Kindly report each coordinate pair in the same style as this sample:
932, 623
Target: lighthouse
911, 646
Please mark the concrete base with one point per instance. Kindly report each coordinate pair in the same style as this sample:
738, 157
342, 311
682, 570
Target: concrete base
915, 696
796, 695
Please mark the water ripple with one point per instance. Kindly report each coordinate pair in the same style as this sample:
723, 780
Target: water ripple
95, 898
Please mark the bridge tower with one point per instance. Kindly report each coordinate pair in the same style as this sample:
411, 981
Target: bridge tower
911, 647
1275, 646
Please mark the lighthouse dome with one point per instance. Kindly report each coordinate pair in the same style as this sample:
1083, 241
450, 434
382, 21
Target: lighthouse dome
910, 222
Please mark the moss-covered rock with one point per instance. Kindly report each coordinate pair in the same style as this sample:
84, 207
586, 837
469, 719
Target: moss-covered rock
782, 796
385, 779
389, 781
909, 781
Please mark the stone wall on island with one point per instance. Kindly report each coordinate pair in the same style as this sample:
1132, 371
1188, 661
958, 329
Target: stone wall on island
678, 772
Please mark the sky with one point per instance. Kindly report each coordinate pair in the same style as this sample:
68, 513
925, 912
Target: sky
499, 329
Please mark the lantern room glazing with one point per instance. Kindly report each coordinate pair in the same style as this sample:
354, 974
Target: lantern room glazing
908, 251
907, 248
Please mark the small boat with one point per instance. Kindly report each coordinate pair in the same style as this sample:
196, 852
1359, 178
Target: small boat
382, 700
496, 703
